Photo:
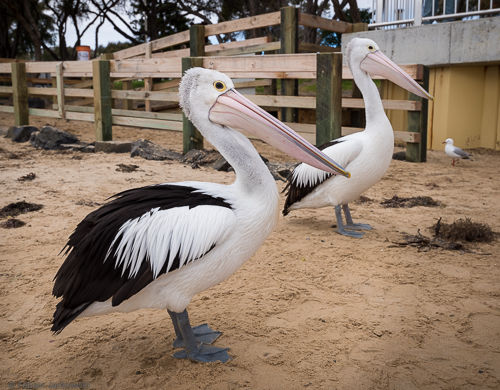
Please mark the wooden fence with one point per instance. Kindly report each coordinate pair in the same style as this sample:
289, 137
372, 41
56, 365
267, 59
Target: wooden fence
83, 90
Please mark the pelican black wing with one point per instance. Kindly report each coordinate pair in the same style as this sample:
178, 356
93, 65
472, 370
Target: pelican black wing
89, 274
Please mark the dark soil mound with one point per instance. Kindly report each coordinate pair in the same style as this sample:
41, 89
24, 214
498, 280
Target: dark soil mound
463, 229
396, 202
12, 223
30, 176
126, 167
14, 209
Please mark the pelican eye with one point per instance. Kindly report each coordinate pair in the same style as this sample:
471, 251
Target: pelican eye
371, 48
219, 86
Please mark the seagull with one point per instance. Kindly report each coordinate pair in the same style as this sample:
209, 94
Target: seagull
455, 152
366, 155
158, 246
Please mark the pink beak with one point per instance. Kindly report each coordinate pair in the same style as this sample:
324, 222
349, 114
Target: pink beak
233, 110
377, 63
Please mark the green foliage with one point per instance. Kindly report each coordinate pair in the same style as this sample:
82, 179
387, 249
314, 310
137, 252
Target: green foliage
156, 18
329, 38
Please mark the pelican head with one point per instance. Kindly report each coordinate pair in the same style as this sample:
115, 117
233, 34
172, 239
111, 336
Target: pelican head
365, 54
209, 96
448, 141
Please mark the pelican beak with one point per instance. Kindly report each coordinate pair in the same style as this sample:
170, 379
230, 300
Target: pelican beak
377, 63
233, 110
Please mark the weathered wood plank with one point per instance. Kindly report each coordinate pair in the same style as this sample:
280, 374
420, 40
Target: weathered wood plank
400, 136
323, 23
60, 89
328, 97
283, 101
289, 34
306, 47
157, 44
406, 105
4, 89
102, 100
417, 122
268, 66
145, 95
20, 93
214, 48
263, 47
9, 109
191, 137
253, 83
197, 40
148, 81
264, 20
167, 84
146, 122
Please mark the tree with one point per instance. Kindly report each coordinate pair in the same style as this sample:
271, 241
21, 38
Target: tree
30, 26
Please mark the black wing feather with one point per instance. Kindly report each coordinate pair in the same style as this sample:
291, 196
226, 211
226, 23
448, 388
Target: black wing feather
295, 192
85, 277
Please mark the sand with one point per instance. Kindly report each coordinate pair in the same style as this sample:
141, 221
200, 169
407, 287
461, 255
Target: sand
312, 309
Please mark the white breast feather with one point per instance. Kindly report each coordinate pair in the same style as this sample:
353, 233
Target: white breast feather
181, 231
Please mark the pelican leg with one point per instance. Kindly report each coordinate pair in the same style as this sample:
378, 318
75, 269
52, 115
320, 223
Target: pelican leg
193, 349
340, 225
203, 333
350, 224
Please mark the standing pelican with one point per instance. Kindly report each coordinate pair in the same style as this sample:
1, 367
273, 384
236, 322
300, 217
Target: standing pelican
158, 246
366, 155
455, 152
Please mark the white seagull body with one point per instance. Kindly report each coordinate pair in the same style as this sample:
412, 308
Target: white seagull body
158, 246
455, 152
366, 155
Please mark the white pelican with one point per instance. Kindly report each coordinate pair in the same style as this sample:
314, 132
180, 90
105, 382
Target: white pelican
455, 152
366, 155
158, 246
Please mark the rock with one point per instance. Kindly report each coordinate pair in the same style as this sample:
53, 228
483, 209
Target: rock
399, 156
113, 146
279, 171
10, 131
200, 157
49, 138
150, 151
22, 133
222, 165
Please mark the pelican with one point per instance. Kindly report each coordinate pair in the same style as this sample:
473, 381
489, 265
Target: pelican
158, 246
455, 152
366, 155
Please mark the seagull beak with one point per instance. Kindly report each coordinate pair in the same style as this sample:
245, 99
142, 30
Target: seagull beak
377, 63
233, 110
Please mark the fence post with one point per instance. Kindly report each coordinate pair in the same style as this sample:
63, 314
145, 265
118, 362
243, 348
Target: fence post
60, 90
417, 122
191, 137
148, 81
20, 93
197, 40
102, 100
328, 97
289, 45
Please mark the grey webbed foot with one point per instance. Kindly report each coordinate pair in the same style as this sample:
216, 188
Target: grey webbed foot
358, 226
350, 233
204, 354
341, 227
202, 333
194, 340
